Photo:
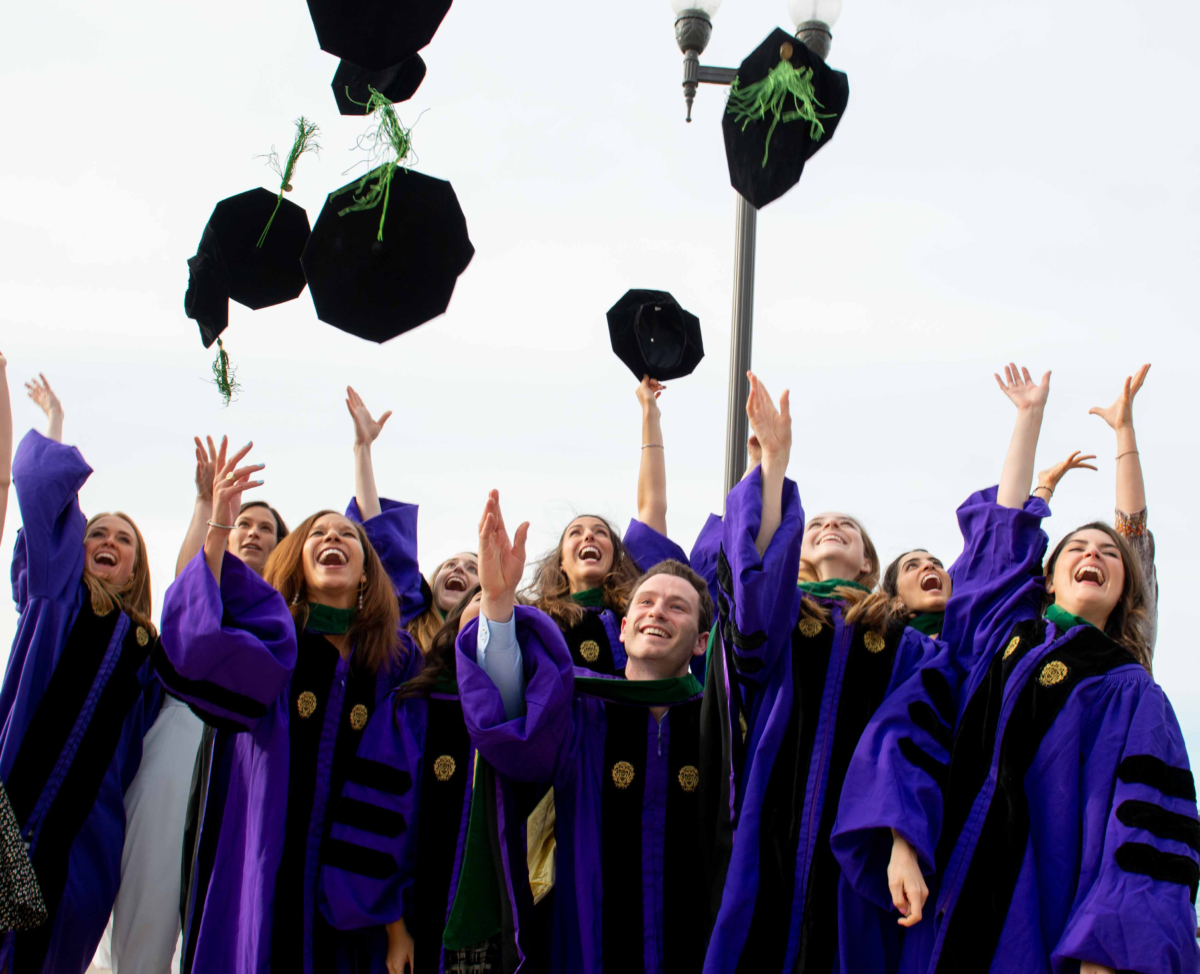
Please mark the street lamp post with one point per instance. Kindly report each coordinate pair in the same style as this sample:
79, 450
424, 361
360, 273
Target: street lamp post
693, 28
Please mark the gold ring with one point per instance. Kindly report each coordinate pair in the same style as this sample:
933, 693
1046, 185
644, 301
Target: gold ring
229, 476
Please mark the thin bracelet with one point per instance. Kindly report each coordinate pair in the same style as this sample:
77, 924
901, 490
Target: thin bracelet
1125, 454
1043, 487
223, 527
647, 446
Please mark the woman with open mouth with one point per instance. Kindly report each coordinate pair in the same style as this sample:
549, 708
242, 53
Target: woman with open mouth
1069, 805
77, 697
583, 583
451, 580
294, 663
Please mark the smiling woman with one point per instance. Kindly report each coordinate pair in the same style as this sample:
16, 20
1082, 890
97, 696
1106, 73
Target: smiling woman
451, 579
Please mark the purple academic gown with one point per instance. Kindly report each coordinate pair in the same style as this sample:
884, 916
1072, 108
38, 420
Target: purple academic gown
807, 692
1070, 828
395, 845
234, 655
629, 889
71, 739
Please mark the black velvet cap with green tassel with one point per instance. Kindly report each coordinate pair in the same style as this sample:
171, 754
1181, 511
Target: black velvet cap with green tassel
784, 105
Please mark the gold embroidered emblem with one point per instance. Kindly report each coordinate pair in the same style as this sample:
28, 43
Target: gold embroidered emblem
306, 704
689, 778
143, 637
589, 649
358, 716
809, 627
874, 642
1011, 647
622, 774
444, 767
1052, 673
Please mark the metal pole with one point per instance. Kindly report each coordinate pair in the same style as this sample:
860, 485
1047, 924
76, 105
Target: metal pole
737, 429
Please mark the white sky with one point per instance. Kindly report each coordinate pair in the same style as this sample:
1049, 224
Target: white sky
1010, 181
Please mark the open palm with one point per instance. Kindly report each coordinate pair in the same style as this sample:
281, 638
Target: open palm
501, 559
772, 427
1019, 386
366, 429
1120, 413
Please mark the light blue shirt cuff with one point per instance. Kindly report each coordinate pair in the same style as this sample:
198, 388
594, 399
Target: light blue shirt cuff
499, 656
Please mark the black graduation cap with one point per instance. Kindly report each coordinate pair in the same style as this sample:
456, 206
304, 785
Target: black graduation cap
207, 297
654, 336
396, 83
785, 104
376, 33
378, 271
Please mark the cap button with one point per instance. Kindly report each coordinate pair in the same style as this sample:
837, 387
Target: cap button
785, 50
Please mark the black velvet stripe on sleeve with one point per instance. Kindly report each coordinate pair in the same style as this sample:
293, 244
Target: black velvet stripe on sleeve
973, 928
925, 717
940, 694
621, 803
975, 738
864, 685
215, 722
64, 697
1158, 821
358, 859
685, 893
380, 776
734, 637
1146, 769
218, 696
783, 808
925, 761
368, 817
1165, 867
77, 794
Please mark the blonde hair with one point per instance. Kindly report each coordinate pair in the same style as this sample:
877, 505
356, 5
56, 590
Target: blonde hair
133, 598
869, 609
373, 634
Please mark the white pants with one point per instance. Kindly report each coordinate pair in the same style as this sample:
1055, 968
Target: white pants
145, 920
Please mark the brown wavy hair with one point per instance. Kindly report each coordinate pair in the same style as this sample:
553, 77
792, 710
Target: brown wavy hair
133, 598
374, 632
551, 591
869, 609
1127, 622
439, 658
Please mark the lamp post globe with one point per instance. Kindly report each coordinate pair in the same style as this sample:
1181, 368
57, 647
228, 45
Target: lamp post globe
693, 28
813, 20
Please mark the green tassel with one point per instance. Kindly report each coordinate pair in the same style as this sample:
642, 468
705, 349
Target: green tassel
224, 375
752, 103
306, 140
389, 138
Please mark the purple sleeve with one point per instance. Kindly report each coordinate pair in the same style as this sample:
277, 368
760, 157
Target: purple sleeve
759, 600
393, 535
48, 560
1135, 908
897, 773
647, 547
229, 652
703, 558
368, 862
535, 746
996, 582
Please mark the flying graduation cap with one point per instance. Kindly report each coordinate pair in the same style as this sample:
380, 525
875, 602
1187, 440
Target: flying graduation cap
250, 252
783, 106
376, 34
351, 84
387, 249
654, 336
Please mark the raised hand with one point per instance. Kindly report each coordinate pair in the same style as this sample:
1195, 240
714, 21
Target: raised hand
501, 560
648, 391
229, 481
366, 429
1120, 414
772, 427
1021, 389
1050, 477
47, 401
206, 466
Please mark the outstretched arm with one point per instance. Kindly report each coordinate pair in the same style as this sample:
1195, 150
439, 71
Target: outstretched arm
228, 484
1131, 489
501, 564
366, 430
652, 473
1030, 399
5, 441
773, 429
193, 541
43, 395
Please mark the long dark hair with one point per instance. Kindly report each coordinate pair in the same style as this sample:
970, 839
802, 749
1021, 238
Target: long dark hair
439, 660
551, 590
1127, 621
899, 614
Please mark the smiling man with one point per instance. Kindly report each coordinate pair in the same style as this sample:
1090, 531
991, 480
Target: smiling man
623, 756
